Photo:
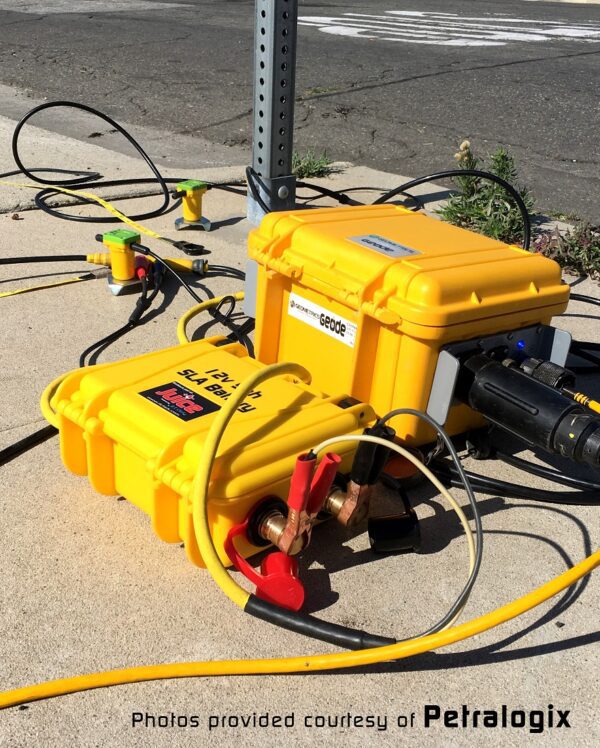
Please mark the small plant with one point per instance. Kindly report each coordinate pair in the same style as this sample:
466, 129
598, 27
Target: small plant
311, 165
484, 206
577, 250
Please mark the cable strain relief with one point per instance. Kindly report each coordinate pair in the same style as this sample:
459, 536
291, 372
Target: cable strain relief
332, 633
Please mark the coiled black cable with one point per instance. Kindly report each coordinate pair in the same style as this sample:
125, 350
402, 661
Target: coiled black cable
88, 181
92, 180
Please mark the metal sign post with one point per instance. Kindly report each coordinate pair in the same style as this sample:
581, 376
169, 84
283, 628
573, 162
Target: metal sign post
274, 89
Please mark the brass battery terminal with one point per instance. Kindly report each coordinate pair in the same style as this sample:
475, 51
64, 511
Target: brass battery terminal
306, 497
350, 507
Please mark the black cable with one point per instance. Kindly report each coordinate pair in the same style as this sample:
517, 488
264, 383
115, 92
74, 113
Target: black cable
103, 343
87, 174
146, 251
88, 181
586, 345
544, 472
584, 298
342, 195
467, 173
338, 195
341, 636
228, 187
42, 197
42, 258
446, 472
581, 349
464, 482
132, 322
143, 303
238, 333
224, 271
252, 177
25, 444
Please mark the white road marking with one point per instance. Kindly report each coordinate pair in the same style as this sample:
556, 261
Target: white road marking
450, 29
51, 7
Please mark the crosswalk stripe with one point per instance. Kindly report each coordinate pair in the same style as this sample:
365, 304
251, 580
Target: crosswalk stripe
408, 28
476, 26
449, 29
449, 16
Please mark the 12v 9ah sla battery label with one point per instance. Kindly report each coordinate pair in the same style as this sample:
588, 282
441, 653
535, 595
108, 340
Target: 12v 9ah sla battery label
322, 319
384, 246
180, 401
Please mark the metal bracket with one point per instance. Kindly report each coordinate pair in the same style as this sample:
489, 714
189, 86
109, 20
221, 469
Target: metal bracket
539, 341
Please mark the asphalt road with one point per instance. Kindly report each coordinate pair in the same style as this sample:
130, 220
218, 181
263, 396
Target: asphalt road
395, 90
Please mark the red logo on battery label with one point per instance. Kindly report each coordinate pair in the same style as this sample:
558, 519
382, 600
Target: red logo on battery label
185, 402
180, 401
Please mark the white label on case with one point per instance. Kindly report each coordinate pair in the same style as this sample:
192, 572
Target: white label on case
322, 319
384, 246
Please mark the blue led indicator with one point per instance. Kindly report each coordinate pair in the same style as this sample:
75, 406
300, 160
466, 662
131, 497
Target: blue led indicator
521, 345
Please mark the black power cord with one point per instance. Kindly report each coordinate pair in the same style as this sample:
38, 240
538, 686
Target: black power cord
27, 443
88, 181
42, 258
584, 298
448, 474
252, 178
467, 173
143, 303
552, 475
582, 349
92, 180
142, 249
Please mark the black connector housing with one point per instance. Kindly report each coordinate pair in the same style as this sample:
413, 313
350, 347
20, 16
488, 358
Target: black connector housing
529, 409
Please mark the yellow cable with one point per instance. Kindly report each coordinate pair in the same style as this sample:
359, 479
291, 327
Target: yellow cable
430, 476
195, 310
310, 663
47, 410
52, 284
200, 485
90, 196
359, 658
587, 401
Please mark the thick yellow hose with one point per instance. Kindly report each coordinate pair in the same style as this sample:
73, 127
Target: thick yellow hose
363, 657
199, 496
195, 310
47, 410
304, 664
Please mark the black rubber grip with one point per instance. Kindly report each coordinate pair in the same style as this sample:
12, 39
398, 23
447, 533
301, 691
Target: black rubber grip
314, 627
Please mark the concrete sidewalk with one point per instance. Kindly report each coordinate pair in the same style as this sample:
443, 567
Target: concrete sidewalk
88, 586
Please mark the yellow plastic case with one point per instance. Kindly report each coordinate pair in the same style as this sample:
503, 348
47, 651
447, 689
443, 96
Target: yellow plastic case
365, 297
137, 428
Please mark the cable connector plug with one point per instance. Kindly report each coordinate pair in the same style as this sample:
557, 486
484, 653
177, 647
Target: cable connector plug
189, 248
142, 267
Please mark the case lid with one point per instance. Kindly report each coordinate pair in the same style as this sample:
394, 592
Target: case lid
399, 265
